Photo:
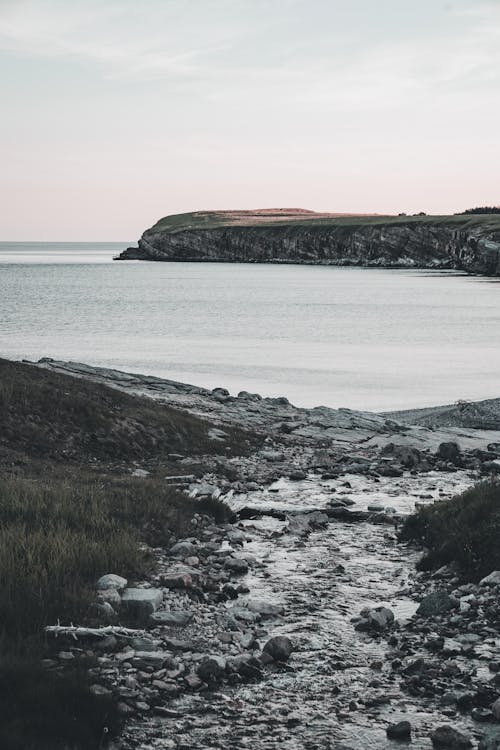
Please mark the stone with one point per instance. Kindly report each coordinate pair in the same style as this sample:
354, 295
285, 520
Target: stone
141, 643
399, 731
211, 669
495, 709
448, 738
111, 581
435, 603
111, 596
490, 742
264, 608
156, 659
236, 565
450, 452
176, 581
183, 549
140, 603
193, 681
378, 618
493, 579
279, 648
179, 618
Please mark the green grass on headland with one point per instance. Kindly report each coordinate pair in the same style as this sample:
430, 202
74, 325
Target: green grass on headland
464, 530
200, 220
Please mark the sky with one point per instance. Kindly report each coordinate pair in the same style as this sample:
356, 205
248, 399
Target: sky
118, 112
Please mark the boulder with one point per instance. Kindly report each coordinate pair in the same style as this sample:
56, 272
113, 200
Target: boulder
436, 603
446, 737
236, 565
140, 603
211, 669
111, 581
183, 549
399, 731
378, 618
279, 648
493, 579
450, 452
495, 709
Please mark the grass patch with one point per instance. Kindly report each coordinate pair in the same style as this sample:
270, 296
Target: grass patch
463, 530
219, 219
48, 415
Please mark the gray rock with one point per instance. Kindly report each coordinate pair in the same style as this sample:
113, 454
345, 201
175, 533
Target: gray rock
141, 602
495, 709
183, 549
211, 669
279, 648
435, 603
450, 452
264, 608
175, 619
447, 737
493, 579
490, 742
378, 618
111, 581
236, 565
141, 643
399, 731
156, 659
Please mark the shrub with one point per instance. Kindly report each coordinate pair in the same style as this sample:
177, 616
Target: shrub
464, 530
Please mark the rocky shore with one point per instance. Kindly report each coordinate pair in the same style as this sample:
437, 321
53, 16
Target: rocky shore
303, 622
295, 236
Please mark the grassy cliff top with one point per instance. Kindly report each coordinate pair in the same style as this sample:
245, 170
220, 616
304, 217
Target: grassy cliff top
302, 217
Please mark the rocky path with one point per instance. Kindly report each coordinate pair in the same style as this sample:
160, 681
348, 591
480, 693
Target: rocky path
309, 579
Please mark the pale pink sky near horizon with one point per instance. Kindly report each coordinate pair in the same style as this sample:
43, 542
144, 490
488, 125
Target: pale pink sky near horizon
116, 113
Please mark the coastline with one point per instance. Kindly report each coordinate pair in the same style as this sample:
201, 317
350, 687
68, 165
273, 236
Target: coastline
285, 610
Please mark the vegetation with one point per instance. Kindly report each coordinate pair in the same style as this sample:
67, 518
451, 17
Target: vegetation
483, 210
47, 415
70, 512
217, 219
463, 530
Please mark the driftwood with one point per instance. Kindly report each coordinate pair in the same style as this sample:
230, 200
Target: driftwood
81, 632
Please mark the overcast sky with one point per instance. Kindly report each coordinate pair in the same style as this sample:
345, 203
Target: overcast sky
117, 112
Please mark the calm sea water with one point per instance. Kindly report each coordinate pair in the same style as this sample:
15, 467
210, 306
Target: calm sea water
362, 338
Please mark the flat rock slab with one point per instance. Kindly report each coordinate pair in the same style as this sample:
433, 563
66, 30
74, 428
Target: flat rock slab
175, 619
142, 602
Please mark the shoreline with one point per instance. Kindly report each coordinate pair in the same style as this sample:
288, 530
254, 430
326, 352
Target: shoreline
290, 618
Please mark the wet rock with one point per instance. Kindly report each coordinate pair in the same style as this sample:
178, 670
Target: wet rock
141, 643
236, 565
450, 452
111, 581
179, 618
378, 618
140, 603
495, 709
297, 475
447, 738
436, 603
493, 579
264, 608
183, 549
211, 669
156, 659
176, 580
279, 648
399, 731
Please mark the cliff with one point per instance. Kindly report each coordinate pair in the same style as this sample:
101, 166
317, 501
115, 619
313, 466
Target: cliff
464, 242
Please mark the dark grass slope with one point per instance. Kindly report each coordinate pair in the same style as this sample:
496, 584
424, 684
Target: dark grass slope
464, 530
68, 516
54, 416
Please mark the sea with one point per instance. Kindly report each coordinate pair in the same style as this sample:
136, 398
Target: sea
371, 339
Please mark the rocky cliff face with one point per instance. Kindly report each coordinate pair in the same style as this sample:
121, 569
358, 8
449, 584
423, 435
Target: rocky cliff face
419, 244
